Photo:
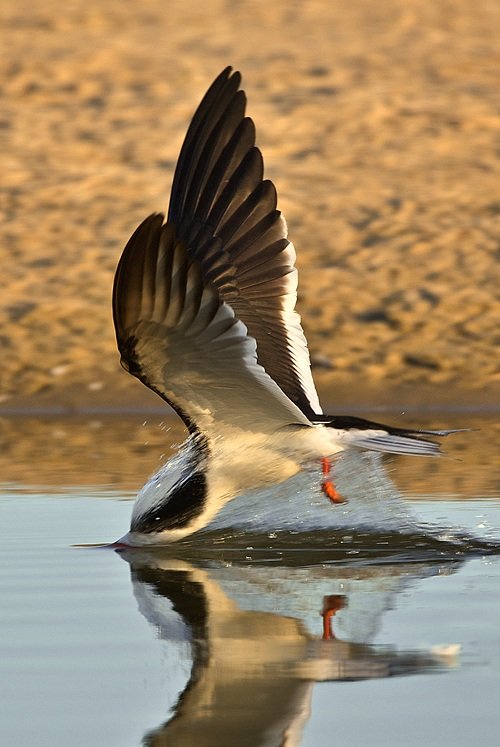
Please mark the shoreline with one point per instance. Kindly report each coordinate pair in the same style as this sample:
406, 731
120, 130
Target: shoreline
130, 401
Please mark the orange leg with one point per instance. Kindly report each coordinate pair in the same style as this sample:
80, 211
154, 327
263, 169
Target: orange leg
331, 605
327, 485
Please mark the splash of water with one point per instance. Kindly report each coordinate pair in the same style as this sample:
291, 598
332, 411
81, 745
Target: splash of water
375, 523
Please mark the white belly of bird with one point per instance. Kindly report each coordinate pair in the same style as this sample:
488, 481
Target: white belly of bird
243, 460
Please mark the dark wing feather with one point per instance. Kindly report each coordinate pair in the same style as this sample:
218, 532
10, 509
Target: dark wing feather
218, 192
177, 335
351, 422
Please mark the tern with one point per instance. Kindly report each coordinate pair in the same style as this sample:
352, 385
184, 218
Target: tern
204, 312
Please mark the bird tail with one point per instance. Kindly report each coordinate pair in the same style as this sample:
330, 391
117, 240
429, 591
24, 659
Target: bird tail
366, 434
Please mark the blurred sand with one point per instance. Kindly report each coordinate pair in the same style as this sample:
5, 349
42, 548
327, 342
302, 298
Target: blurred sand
379, 123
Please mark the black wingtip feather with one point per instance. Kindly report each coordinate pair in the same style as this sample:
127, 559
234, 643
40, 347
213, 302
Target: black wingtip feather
206, 119
128, 280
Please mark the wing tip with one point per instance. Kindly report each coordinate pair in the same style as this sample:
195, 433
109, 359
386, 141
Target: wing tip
227, 75
124, 277
231, 73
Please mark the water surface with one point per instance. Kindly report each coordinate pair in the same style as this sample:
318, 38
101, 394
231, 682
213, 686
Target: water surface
383, 633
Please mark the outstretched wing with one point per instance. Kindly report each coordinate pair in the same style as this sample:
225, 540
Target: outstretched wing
219, 192
178, 336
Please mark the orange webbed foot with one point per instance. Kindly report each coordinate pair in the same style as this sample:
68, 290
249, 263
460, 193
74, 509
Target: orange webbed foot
327, 486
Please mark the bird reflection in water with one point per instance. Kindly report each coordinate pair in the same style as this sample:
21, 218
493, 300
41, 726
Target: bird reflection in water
257, 637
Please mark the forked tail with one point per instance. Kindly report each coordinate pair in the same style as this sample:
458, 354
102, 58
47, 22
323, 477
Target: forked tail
366, 434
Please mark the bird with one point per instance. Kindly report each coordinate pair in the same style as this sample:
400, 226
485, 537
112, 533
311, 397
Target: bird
204, 314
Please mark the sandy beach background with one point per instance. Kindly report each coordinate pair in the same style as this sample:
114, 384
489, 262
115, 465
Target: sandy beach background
379, 124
